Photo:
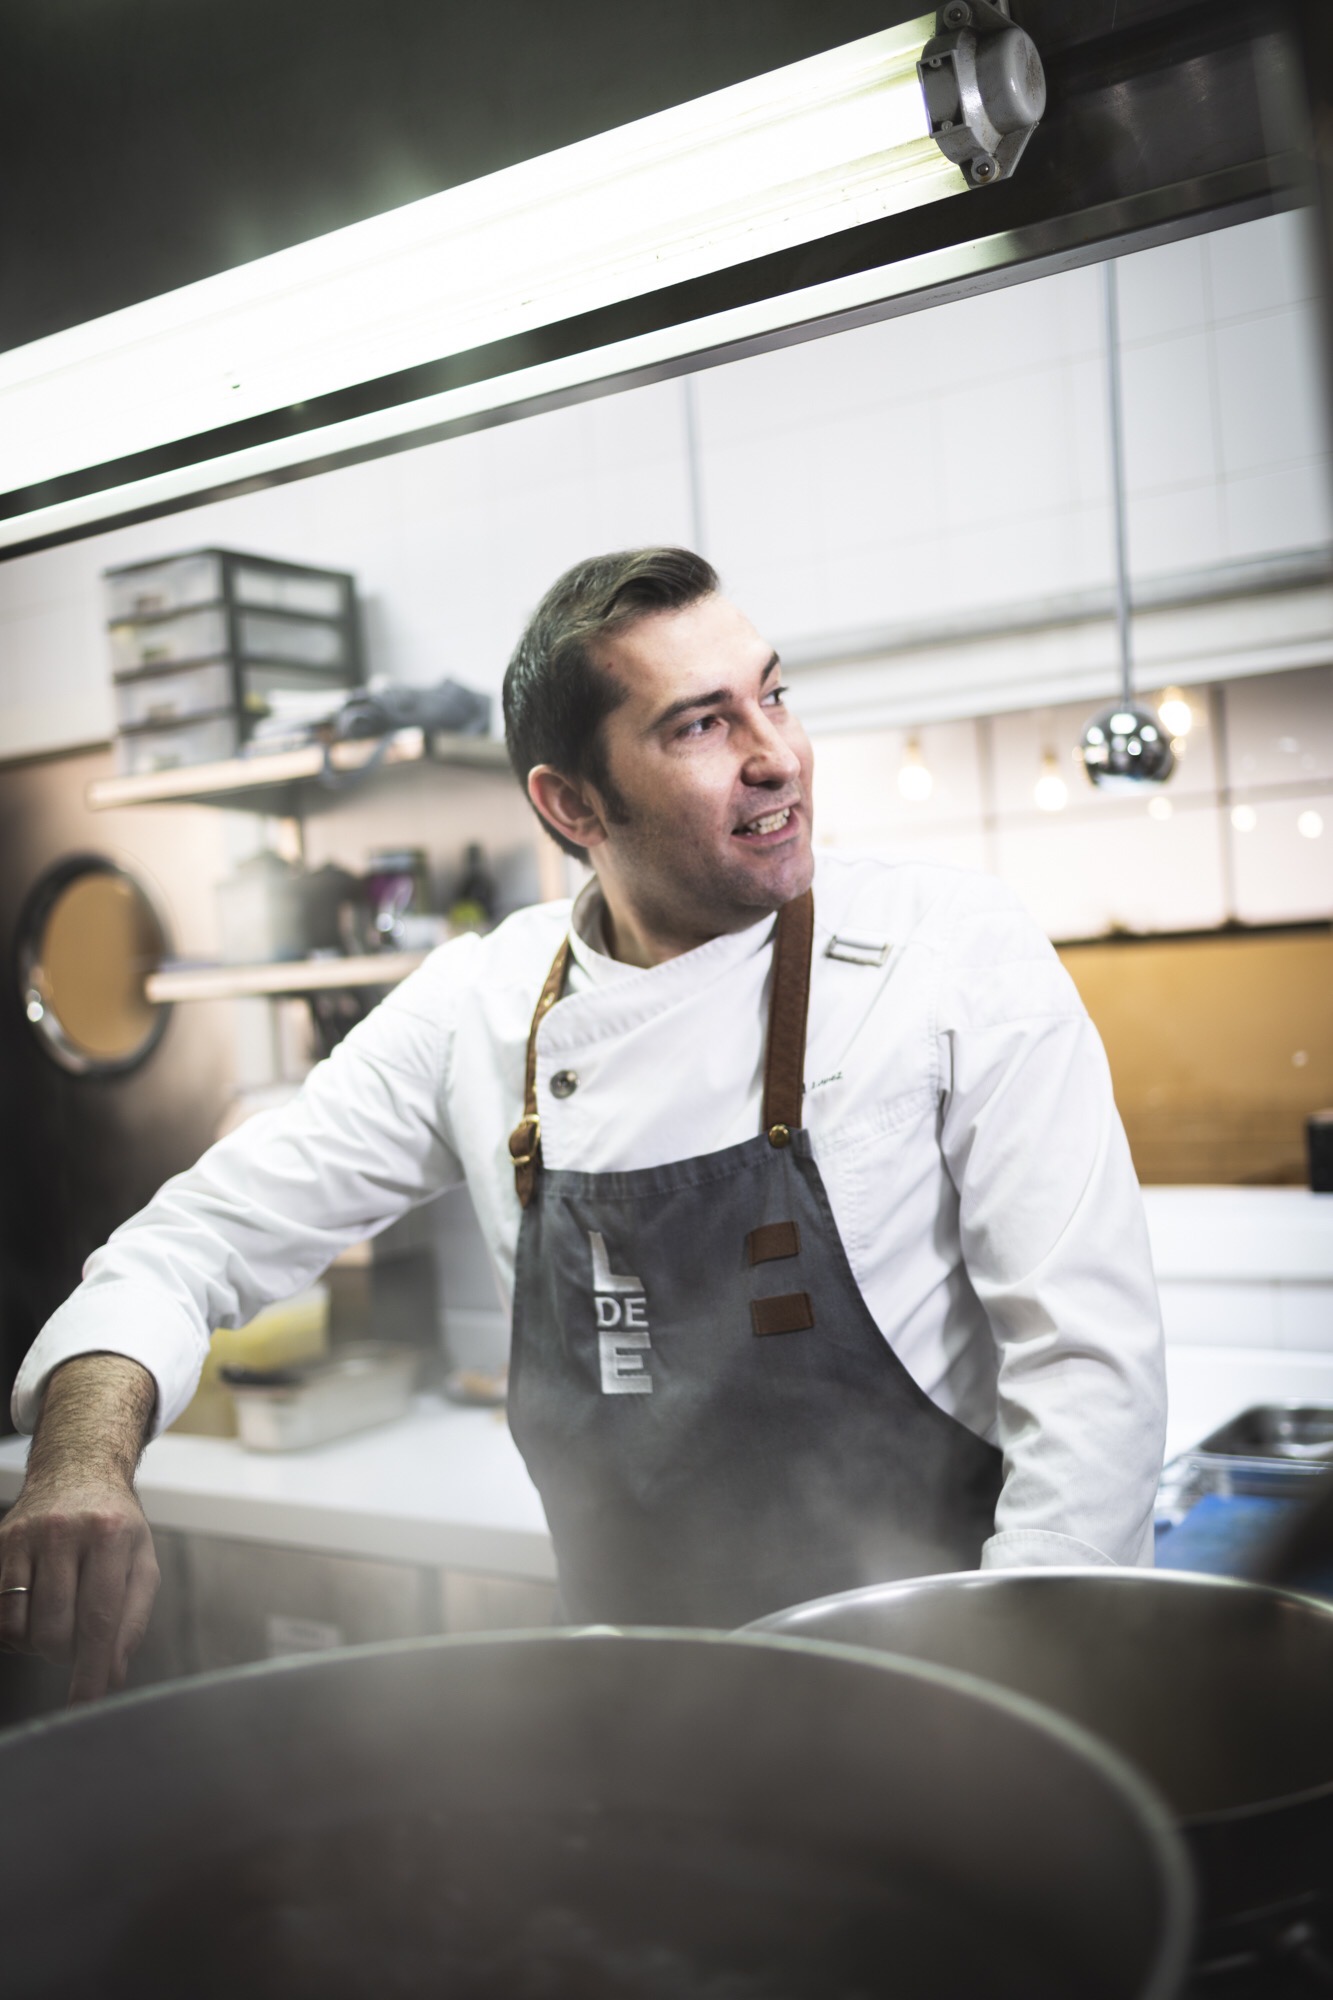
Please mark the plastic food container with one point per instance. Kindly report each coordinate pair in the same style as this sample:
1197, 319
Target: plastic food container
173, 697
290, 590
145, 590
160, 642
261, 915
308, 642
210, 740
295, 1330
149, 590
292, 1409
296, 689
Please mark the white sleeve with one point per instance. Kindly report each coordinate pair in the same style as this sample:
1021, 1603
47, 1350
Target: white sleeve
1056, 1248
269, 1207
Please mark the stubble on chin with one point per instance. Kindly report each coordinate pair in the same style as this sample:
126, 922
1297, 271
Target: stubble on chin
689, 895
743, 894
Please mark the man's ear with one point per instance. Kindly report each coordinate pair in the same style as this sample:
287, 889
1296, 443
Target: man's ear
571, 808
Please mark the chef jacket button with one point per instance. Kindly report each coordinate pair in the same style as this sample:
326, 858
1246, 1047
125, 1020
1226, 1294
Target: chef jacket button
564, 1083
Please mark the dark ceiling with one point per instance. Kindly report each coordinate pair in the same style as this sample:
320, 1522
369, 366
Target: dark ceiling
147, 143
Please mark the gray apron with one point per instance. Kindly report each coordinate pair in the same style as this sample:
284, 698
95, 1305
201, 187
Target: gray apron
715, 1423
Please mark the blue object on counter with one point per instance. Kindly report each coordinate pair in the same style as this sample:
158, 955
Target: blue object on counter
1224, 1534
1221, 1533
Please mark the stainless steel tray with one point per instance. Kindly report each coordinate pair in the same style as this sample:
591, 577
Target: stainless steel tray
1199, 1475
1301, 1432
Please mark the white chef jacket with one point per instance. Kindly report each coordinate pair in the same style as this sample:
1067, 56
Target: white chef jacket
959, 1108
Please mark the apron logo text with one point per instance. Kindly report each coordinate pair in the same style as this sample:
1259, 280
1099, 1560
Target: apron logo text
623, 1339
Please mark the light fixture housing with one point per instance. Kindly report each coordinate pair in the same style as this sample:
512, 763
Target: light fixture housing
984, 86
1125, 747
237, 377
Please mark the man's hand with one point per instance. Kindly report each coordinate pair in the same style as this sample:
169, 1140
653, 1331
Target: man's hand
76, 1538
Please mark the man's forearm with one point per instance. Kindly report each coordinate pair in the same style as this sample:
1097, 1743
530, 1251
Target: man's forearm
95, 1419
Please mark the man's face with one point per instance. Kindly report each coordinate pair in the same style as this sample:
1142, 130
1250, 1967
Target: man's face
713, 775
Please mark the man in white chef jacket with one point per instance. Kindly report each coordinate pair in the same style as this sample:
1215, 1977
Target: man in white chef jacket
972, 1239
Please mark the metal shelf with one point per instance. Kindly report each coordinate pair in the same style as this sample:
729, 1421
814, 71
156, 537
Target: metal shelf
286, 784
293, 976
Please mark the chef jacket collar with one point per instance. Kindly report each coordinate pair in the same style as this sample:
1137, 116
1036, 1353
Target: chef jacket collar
587, 941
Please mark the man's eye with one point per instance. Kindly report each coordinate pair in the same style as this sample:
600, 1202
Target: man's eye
777, 695
699, 725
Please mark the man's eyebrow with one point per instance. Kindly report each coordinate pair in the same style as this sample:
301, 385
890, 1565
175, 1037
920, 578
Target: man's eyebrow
713, 699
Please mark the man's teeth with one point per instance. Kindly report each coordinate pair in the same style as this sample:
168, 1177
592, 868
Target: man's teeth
770, 822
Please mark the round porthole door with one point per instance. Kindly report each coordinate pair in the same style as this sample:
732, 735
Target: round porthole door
88, 936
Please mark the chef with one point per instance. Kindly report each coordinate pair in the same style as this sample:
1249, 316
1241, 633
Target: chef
803, 1175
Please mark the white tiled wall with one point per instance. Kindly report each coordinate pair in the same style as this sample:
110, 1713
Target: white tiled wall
1124, 873
939, 469
960, 456
1281, 733
1245, 1269
1282, 875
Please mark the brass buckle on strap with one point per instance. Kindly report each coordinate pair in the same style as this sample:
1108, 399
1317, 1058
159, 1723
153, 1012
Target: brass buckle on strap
519, 1138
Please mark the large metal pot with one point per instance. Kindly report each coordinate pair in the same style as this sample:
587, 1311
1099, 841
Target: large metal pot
1220, 1692
575, 1816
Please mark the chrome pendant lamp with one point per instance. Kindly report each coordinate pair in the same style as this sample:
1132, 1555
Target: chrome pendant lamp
1126, 745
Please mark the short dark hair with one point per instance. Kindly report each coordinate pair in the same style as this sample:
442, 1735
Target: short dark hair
556, 697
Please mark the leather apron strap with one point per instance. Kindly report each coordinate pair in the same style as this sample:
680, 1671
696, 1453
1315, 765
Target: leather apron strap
784, 1061
526, 1138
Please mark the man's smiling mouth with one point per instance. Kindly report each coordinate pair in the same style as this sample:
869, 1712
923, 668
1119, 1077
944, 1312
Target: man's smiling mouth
768, 823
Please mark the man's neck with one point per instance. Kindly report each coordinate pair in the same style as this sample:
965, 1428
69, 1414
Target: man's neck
638, 938
632, 942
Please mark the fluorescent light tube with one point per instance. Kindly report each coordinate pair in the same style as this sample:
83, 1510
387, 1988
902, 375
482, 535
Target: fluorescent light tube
822, 145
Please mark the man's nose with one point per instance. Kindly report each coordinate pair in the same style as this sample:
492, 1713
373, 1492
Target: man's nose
770, 758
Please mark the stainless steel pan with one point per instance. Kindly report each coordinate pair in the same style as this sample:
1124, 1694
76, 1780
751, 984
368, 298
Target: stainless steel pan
1220, 1692
573, 1816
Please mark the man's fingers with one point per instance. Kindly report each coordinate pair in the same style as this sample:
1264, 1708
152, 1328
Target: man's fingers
55, 1585
103, 1581
15, 1580
139, 1596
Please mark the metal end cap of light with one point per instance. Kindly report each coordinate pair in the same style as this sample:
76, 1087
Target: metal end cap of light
1126, 746
984, 86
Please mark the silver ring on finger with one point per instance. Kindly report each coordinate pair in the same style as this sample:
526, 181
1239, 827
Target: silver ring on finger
15, 1590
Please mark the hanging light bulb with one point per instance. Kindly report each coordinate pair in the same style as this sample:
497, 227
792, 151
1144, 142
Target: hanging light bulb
1126, 745
1050, 794
1175, 714
914, 780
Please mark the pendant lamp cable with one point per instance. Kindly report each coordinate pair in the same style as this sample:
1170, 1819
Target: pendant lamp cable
1115, 416
1123, 746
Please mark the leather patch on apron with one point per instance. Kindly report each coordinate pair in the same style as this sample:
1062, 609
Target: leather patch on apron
775, 1239
792, 1312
